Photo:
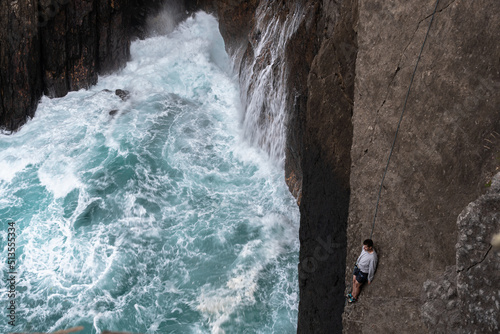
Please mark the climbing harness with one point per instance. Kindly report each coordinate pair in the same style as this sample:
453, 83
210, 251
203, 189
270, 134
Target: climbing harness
401, 118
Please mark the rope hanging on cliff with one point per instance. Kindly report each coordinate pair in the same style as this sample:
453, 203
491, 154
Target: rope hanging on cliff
401, 118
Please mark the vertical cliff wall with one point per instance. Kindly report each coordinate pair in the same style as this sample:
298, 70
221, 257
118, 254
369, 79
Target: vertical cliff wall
445, 155
80, 39
20, 71
325, 165
57, 46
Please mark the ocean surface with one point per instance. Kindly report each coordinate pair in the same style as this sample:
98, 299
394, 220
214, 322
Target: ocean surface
160, 218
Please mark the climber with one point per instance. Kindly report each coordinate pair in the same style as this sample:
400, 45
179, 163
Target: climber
364, 269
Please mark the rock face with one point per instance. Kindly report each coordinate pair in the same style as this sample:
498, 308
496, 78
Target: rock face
446, 152
57, 46
81, 39
236, 17
466, 299
325, 165
20, 70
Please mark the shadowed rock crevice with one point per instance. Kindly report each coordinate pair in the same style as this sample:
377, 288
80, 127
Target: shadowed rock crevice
325, 164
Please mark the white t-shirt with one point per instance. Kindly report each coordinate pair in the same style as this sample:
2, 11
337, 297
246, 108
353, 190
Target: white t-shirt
367, 263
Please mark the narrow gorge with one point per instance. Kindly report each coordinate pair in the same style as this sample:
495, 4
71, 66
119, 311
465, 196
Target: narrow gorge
322, 85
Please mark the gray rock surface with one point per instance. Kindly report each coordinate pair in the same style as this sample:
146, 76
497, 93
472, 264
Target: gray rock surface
440, 311
446, 152
466, 299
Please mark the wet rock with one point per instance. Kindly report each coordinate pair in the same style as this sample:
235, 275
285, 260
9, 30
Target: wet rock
236, 19
141, 10
20, 66
113, 112
56, 46
81, 39
123, 94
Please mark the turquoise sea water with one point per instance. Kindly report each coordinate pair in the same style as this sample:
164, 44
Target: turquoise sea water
158, 219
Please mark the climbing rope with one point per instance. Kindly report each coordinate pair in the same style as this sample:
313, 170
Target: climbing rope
401, 118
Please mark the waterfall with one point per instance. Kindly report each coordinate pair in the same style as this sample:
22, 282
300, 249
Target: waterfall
263, 77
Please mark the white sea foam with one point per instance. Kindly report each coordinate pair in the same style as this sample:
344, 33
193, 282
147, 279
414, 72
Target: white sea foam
161, 218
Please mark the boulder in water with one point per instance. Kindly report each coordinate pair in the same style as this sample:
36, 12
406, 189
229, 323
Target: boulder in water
123, 94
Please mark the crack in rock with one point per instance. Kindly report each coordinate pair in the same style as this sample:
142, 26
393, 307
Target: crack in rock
477, 263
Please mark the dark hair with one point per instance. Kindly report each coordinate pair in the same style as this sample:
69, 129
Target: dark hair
368, 242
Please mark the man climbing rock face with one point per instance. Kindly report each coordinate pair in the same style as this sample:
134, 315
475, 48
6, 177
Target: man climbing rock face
363, 270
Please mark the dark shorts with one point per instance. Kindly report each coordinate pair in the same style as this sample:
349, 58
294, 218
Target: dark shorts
361, 277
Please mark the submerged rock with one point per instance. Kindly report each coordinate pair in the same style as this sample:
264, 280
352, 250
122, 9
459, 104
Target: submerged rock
123, 94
